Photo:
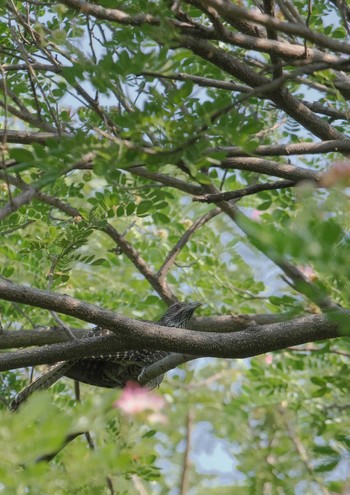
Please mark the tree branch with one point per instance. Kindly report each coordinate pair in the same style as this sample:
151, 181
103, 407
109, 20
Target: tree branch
335, 145
135, 334
113, 15
163, 366
41, 336
16, 202
141, 335
37, 337
27, 137
186, 463
166, 180
231, 12
271, 168
169, 260
247, 191
281, 97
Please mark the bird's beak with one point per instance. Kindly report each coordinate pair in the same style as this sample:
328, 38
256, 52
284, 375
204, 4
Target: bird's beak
195, 305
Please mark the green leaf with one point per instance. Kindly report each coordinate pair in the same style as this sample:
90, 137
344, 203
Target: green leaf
149, 434
144, 207
22, 155
326, 466
98, 262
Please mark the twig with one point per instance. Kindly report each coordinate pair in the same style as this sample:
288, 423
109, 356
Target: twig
69, 438
170, 259
163, 366
309, 348
184, 481
247, 191
16, 202
160, 286
166, 180
110, 485
300, 283
55, 316
299, 447
138, 485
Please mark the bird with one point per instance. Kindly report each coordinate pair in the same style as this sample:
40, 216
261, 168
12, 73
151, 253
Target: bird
114, 370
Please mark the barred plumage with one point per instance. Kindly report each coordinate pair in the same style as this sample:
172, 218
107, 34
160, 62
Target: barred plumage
112, 371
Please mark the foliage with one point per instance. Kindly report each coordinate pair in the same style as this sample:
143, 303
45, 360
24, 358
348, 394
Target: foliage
180, 151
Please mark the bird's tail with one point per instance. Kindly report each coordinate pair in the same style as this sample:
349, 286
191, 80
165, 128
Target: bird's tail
54, 373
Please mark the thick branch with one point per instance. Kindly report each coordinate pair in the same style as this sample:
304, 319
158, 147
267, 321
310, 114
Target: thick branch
269, 167
35, 66
134, 334
113, 15
334, 145
250, 342
27, 137
41, 336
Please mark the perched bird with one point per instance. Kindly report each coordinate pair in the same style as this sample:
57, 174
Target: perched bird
112, 371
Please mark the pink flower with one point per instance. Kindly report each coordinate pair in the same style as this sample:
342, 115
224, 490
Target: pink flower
256, 214
268, 359
338, 173
135, 399
308, 272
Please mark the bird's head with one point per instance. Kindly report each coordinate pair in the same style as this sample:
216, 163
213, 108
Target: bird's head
178, 314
